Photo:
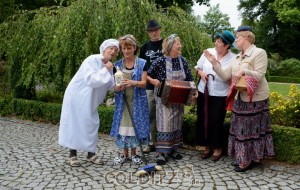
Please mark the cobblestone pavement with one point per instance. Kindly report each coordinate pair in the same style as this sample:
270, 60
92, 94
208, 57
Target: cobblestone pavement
30, 158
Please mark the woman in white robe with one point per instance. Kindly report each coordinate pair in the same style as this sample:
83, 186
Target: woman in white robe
79, 122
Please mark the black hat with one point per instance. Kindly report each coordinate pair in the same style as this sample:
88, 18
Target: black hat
244, 28
153, 25
227, 37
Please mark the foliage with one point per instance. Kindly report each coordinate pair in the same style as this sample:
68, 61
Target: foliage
47, 112
10, 7
285, 111
288, 67
272, 34
45, 47
4, 87
186, 5
288, 11
284, 79
214, 21
286, 144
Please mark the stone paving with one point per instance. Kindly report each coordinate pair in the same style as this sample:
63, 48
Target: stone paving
30, 158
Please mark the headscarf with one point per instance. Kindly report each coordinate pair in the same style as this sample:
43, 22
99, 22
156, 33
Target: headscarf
108, 43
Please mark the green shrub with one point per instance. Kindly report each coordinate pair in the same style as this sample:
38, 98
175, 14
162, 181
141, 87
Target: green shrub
284, 79
285, 111
288, 67
287, 144
106, 117
189, 129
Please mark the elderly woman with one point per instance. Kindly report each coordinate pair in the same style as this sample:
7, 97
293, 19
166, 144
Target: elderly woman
133, 89
169, 117
79, 122
250, 137
211, 102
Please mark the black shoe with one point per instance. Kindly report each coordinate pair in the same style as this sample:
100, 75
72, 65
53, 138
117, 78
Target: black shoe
238, 169
149, 148
175, 155
234, 163
161, 159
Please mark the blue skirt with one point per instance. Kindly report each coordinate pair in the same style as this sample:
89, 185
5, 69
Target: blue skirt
129, 141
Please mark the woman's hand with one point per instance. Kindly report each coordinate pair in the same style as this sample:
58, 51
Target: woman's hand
119, 88
210, 57
155, 83
128, 83
202, 74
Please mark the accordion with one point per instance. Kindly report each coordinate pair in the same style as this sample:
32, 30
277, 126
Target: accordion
177, 92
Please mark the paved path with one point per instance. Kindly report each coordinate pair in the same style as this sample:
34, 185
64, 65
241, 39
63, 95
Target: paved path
31, 159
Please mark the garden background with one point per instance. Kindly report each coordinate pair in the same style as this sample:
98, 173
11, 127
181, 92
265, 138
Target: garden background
43, 43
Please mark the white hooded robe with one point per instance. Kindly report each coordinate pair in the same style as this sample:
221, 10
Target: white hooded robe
79, 121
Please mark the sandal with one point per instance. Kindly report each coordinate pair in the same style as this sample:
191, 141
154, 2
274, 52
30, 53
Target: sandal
175, 155
95, 160
120, 160
74, 162
137, 159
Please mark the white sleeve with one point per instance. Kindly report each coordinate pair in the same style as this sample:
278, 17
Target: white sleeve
200, 62
96, 77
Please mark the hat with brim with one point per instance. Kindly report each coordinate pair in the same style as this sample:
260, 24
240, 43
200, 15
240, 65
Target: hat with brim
227, 37
152, 25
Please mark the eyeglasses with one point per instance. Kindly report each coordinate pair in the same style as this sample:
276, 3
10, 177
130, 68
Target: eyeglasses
151, 31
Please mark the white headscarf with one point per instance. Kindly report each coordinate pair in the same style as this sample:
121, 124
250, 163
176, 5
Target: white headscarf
109, 43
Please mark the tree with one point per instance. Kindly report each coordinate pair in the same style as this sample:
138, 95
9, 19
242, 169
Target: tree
214, 21
11, 7
183, 4
46, 47
274, 33
288, 11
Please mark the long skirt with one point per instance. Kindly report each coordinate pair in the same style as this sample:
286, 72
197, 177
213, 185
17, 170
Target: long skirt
169, 127
213, 135
250, 135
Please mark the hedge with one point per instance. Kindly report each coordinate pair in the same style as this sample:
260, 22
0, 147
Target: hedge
284, 79
286, 139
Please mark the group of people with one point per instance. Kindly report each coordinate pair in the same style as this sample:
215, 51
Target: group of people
140, 116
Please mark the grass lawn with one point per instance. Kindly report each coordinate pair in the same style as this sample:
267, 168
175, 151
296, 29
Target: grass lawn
281, 88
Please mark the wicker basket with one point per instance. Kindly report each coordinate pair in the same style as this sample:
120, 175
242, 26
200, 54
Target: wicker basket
241, 84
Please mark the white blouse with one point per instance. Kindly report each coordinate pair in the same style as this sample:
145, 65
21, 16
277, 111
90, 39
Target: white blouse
217, 87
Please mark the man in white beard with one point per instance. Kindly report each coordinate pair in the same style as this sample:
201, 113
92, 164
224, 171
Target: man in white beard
79, 122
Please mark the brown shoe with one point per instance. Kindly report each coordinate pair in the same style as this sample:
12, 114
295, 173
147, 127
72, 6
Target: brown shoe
206, 155
216, 158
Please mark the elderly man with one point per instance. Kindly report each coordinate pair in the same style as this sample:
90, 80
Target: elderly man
79, 122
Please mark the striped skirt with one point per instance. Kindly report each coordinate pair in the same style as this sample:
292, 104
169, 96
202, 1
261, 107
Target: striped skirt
250, 135
169, 127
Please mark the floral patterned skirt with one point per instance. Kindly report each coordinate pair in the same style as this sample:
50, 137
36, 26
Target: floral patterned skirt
250, 136
129, 141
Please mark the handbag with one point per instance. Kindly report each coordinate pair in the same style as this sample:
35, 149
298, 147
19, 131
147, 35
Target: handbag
241, 84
